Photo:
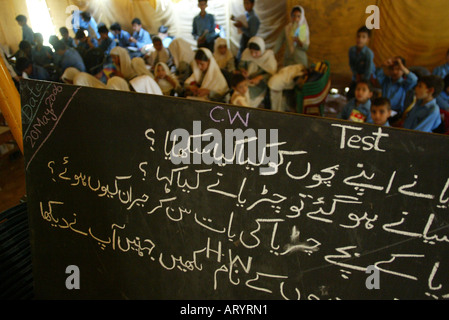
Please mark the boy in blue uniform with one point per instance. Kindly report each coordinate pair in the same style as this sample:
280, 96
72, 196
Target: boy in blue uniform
27, 32
69, 57
425, 115
121, 37
380, 111
361, 59
139, 39
252, 28
203, 27
106, 44
358, 108
68, 40
33, 70
443, 98
442, 70
396, 84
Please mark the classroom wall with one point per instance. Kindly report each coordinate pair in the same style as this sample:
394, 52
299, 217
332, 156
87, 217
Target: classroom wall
417, 30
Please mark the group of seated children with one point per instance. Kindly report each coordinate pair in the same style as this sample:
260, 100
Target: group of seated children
390, 94
404, 99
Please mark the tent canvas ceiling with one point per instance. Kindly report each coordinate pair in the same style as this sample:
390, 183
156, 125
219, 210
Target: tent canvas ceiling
417, 30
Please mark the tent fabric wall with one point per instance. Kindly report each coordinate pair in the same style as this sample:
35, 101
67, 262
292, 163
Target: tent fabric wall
417, 30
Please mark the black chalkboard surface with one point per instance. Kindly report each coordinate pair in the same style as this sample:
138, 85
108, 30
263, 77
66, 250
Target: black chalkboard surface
135, 196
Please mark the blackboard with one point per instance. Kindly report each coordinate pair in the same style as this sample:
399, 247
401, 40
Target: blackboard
327, 210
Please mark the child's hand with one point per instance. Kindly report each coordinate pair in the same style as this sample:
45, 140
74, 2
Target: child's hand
202, 92
244, 73
255, 80
238, 24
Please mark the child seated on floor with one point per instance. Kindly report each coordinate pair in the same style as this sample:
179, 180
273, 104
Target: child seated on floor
397, 83
166, 80
380, 111
358, 109
207, 81
240, 96
425, 115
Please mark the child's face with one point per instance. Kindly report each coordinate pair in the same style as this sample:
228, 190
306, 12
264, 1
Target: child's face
202, 5
362, 93
380, 114
255, 53
104, 36
115, 59
296, 16
396, 72
157, 45
202, 65
422, 91
248, 5
137, 27
242, 87
160, 72
222, 49
362, 39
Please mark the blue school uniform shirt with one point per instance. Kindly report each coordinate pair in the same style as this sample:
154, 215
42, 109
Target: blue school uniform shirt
361, 110
443, 101
107, 45
441, 71
361, 62
423, 117
143, 38
200, 24
72, 58
42, 57
28, 34
396, 91
39, 73
121, 39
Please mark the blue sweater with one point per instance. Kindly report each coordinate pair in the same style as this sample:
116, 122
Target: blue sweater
396, 91
423, 117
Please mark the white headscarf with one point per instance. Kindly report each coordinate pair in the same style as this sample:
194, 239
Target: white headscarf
145, 84
165, 86
162, 56
222, 59
300, 30
213, 79
140, 67
117, 83
125, 62
87, 80
181, 50
267, 61
69, 74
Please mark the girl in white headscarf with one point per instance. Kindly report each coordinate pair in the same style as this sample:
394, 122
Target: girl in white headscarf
145, 84
257, 65
140, 67
224, 56
87, 80
206, 82
296, 36
166, 80
69, 74
117, 83
122, 62
183, 55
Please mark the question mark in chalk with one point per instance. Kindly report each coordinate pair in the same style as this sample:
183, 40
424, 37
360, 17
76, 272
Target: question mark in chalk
149, 138
144, 172
48, 165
